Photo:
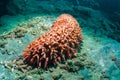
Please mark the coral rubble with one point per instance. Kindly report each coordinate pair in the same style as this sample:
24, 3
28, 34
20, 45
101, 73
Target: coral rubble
61, 42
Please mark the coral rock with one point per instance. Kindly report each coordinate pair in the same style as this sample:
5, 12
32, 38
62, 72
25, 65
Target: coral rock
61, 42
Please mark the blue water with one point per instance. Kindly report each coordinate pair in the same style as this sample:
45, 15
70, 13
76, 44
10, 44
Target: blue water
22, 21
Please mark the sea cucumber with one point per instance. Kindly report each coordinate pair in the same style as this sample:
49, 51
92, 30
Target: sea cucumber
61, 42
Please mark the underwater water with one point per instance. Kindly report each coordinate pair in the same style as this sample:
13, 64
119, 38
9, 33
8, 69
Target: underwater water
24, 21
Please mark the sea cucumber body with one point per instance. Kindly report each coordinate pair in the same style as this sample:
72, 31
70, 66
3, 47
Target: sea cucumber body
62, 41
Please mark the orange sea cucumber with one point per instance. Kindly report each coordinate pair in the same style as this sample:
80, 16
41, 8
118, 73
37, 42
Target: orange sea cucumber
62, 41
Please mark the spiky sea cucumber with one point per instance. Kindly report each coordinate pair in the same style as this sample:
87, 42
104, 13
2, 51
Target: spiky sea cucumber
61, 42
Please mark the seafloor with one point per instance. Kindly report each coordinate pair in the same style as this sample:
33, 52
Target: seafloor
98, 59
